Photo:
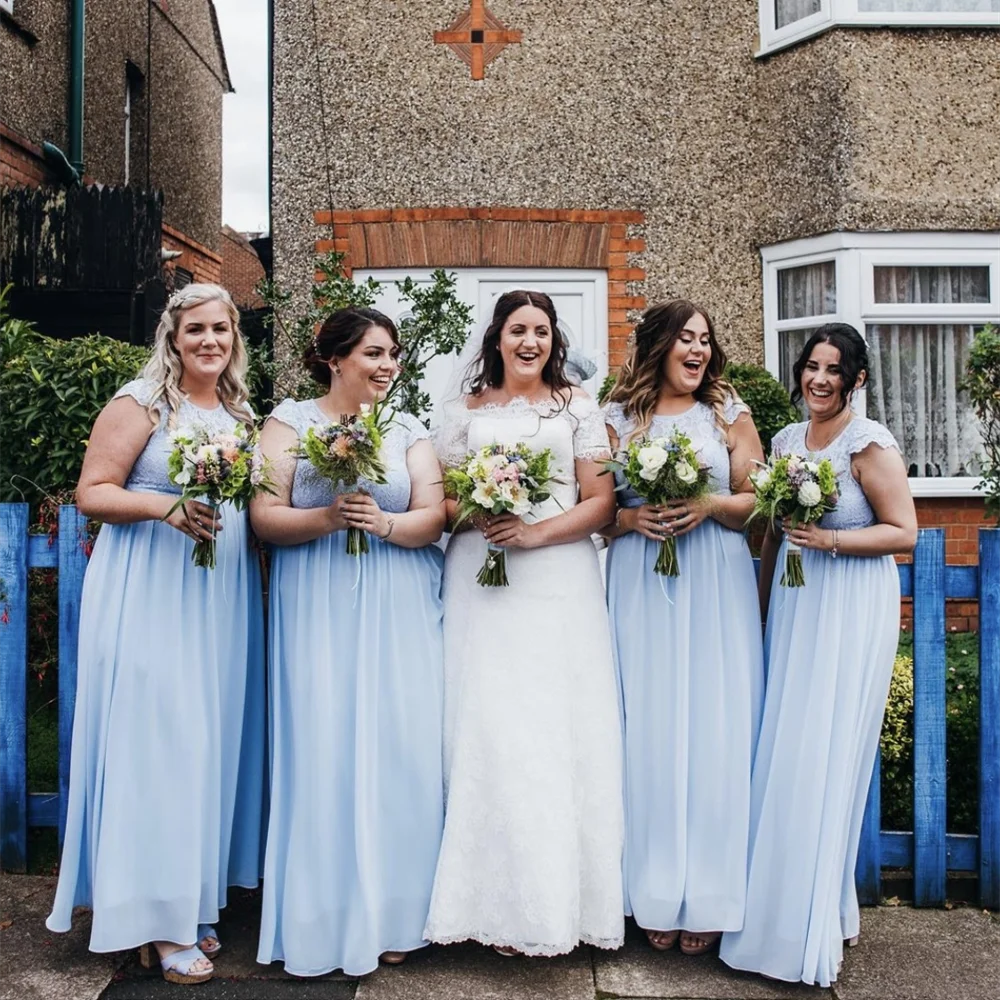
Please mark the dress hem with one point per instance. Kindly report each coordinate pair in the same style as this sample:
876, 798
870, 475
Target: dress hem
531, 950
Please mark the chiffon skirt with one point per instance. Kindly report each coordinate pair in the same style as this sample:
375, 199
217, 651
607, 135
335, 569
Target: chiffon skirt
690, 670
167, 783
356, 787
830, 647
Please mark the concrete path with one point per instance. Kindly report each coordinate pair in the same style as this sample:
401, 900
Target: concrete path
905, 954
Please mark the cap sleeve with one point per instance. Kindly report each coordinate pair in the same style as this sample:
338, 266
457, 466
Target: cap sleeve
451, 439
780, 441
732, 408
590, 433
140, 389
289, 412
865, 432
615, 417
413, 429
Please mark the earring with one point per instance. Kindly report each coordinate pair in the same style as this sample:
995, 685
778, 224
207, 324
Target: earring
336, 370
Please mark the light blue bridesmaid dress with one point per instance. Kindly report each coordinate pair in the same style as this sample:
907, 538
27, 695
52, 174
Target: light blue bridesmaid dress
829, 648
166, 788
356, 714
690, 668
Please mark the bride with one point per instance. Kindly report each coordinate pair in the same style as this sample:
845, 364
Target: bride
531, 856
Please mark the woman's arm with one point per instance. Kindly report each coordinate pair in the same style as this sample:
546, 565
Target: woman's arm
118, 438
882, 476
273, 517
423, 522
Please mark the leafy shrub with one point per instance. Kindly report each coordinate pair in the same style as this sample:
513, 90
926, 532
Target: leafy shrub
767, 398
982, 383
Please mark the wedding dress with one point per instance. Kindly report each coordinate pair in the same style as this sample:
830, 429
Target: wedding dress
531, 855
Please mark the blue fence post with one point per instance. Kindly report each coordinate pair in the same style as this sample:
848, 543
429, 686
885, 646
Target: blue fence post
13, 686
868, 870
989, 717
930, 857
72, 566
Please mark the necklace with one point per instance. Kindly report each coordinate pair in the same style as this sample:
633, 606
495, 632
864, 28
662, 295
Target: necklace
833, 437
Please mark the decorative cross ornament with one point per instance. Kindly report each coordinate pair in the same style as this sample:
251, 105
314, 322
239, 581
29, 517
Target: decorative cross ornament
477, 37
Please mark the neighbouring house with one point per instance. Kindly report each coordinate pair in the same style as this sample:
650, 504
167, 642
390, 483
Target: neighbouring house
127, 95
241, 268
784, 162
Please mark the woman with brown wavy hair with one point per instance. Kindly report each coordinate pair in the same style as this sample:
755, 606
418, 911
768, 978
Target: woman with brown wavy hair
687, 648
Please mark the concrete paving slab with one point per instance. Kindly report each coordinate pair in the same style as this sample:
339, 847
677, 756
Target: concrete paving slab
910, 954
232, 989
637, 971
36, 964
473, 972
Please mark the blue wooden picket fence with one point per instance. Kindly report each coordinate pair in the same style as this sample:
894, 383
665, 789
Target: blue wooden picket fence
928, 849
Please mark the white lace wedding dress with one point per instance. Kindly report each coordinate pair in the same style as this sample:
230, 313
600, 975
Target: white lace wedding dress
531, 856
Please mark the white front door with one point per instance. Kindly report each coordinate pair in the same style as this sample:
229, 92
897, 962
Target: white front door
580, 298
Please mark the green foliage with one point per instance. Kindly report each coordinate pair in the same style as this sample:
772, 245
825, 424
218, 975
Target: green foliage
51, 392
962, 736
606, 386
982, 383
767, 398
438, 323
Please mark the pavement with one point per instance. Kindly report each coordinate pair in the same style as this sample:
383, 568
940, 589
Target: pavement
904, 954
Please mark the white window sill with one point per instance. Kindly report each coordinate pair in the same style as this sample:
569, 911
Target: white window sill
945, 486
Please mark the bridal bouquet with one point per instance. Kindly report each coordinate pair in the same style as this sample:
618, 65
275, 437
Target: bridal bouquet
658, 470
795, 487
216, 468
499, 479
346, 452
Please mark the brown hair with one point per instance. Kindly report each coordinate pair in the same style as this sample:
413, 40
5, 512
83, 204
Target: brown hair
340, 333
640, 379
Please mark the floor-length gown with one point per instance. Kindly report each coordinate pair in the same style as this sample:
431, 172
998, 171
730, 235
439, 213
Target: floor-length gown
356, 705
829, 650
532, 844
167, 780
690, 665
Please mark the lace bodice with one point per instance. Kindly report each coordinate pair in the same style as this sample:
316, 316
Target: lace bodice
698, 423
571, 432
149, 473
853, 509
310, 489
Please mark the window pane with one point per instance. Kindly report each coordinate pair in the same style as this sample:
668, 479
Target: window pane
807, 291
933, 6
790, 344
790, 11
932, 284
914, 391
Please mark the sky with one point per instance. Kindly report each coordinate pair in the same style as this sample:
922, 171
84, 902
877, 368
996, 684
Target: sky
244, 115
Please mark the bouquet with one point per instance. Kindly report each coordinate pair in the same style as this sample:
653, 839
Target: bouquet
215, 468
795, 487
499, 480
658, 470
347, 451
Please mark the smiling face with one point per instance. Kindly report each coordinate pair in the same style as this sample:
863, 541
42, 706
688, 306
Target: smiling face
526, 343
687, 360
369, 369
204, 341
822, 382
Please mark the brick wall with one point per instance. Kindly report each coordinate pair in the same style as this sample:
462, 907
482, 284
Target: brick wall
21, 162
204, 265
241, 269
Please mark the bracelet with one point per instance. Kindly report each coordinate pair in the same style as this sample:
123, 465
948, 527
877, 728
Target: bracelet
392, 523
833, 551
618, 518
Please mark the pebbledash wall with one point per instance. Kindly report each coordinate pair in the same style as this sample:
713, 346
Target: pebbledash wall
167, 56
647, 139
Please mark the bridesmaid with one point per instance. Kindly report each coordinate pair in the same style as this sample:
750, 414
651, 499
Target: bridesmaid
167, 770
687, 648
355, 677
829, 647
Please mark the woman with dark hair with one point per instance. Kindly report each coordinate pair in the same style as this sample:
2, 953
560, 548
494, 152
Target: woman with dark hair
687, 648
355, 676
531, 855
829, 649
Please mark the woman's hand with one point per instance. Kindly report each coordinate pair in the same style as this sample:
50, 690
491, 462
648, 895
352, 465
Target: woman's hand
508, 531
196, 520
808, 536
682, 516
648, 520
359, 510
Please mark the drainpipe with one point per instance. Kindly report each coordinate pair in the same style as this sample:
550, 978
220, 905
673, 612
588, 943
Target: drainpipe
76, 38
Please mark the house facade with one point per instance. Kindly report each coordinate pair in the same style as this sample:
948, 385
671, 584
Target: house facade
783, 162
153, 78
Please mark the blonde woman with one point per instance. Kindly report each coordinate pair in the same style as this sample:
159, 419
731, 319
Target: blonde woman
166, 778
687, 648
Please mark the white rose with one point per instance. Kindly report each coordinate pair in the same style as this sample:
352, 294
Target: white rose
811, 467
810, 494
182, 478
652, 458
685, 472
762, 478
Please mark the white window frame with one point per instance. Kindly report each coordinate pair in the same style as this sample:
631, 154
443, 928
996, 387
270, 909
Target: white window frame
7, 6
856, 255
847, 13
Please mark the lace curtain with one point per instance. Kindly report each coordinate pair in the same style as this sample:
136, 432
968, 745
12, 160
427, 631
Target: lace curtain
916, 370
803, 292
790, 11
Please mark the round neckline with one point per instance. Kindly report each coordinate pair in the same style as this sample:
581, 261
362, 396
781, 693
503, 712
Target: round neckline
674, 416
831, 442
204, 409
524, 400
